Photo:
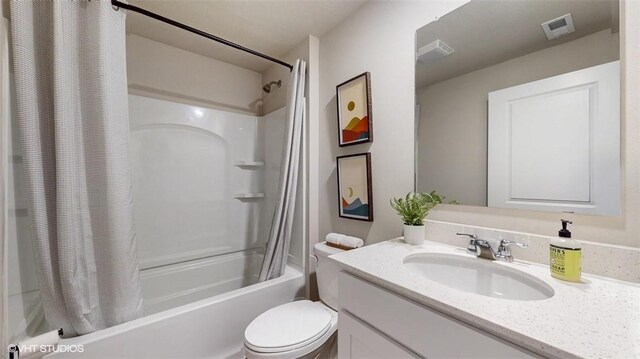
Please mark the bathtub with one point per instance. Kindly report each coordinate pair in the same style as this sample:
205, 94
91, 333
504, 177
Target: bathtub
208, 328
177, 284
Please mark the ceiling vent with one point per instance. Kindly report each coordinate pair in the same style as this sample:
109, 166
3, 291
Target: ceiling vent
558, 27
433, 51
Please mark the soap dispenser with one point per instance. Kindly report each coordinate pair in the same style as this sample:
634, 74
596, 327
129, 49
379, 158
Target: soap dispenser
565, 255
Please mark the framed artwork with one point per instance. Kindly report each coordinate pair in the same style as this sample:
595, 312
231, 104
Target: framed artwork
354, 111
354, 187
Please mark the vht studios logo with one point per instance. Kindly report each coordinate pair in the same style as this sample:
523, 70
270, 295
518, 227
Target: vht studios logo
49, 348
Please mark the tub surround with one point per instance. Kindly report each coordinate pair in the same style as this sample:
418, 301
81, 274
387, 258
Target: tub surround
597, 318
198, 279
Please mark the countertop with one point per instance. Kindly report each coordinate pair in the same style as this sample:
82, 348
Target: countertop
598, 318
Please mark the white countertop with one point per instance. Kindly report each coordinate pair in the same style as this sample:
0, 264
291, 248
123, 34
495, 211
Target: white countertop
599, 318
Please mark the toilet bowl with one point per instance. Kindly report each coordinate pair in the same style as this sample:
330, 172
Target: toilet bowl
293, 330
300, 329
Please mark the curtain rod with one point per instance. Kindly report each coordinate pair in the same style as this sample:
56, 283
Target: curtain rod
119, 4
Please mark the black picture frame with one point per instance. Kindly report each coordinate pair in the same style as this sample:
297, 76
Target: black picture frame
360, 210
366, 76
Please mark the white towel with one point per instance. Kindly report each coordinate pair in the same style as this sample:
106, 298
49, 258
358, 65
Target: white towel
344, 240
353, 242
334, 238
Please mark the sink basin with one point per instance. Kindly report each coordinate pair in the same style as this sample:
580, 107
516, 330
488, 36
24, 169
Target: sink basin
479, 276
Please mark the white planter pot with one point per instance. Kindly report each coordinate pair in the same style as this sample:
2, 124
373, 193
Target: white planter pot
414, 234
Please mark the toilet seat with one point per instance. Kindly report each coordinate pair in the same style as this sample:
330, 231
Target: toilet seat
290, 330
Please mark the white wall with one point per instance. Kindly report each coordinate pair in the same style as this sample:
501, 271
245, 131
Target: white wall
621, 230
166, 72
379, 38
454, 113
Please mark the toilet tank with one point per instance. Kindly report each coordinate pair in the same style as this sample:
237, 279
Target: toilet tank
327, 274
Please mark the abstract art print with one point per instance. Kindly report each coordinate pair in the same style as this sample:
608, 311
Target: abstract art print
354, 187
354, 111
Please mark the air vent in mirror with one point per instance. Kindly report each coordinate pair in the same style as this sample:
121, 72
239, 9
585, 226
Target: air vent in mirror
558, 27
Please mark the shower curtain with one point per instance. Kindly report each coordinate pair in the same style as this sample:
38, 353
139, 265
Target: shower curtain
71, 82
4, 118
275, 257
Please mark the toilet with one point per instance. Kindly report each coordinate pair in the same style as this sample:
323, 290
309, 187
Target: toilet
300, 329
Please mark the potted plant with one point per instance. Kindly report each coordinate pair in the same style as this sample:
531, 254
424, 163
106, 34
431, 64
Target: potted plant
413, 208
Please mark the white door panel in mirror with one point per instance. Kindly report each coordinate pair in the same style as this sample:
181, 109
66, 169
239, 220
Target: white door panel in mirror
554, 143
556, 127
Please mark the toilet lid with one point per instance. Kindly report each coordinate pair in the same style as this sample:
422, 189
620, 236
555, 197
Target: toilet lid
287, 327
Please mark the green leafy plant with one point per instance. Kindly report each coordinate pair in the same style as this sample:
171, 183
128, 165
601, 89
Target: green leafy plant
415, 206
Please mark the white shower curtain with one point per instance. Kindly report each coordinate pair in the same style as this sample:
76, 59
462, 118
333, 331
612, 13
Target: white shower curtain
4, 118
275, 257
71, 82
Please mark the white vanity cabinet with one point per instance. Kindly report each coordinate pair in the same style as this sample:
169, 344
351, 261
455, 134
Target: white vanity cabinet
356, 339
376, 323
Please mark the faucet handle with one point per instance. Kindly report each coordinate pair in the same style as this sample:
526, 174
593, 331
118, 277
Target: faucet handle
504, 250
506, 243
472, 248
472, 236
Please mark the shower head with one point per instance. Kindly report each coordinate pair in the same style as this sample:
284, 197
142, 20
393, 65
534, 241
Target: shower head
267, 88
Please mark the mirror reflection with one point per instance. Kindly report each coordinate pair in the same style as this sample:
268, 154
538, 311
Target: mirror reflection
518, 105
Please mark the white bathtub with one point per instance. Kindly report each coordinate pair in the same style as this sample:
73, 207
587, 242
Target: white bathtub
209, 328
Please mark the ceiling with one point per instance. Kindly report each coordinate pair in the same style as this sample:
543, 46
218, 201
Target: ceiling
488, 32
272, 27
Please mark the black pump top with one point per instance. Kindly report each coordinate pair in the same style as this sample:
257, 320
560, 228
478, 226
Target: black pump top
564, 232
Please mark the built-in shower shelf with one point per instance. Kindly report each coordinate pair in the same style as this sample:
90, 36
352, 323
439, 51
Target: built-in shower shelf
249, 163
249, 195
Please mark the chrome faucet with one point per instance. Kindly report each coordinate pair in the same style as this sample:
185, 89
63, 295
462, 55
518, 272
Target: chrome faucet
481, 248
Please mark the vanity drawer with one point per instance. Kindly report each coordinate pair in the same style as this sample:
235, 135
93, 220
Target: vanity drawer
420, 329
358, 340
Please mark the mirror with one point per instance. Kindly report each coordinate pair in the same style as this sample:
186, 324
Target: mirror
518, 105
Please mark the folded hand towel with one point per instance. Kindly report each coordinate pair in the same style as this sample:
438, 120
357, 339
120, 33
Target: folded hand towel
353, 242
344, 240
334, 238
